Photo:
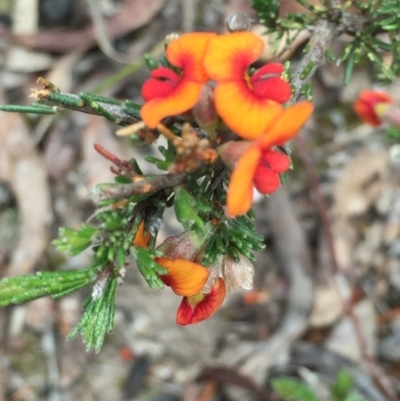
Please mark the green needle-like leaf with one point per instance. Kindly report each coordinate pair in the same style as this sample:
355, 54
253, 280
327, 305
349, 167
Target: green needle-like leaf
16, 290
185, 209
98, 319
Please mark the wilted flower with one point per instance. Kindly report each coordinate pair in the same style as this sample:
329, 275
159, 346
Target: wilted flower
237, 274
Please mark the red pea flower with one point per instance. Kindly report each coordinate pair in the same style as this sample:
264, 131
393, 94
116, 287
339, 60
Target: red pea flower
368, 105
168, 93
259, 165
201, 306
247, 104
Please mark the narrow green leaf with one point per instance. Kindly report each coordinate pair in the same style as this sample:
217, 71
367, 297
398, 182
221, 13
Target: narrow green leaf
27, 109
98, 319
15, 290
342, 385
293, 390
185, 209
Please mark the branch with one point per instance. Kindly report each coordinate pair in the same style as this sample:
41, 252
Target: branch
320, 41
119, 112
141, 187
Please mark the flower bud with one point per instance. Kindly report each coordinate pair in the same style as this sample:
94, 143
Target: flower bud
187, 245
237, 274
204, 111
232, 151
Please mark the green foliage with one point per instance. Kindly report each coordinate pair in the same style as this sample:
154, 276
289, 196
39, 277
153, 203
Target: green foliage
75, 241
291, 389
342, 389
98, 319
187, 210
294, 390
393, 133
169, 157
148, 267
372, 18
16, 290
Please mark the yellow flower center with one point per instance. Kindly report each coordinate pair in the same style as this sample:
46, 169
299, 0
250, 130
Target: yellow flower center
193, 300
248, 80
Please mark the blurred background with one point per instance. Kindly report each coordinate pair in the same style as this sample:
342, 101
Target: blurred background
326, 290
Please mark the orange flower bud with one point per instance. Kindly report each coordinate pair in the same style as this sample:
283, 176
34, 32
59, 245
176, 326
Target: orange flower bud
230, 152
204, 111
186, 245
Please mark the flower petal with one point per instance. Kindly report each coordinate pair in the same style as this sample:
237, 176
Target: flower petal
364, 106
183, 98
184, 277
266, 180
277, 161
272, 69
141, 239
286, 125
273, 88
228, 56
240, 191
187, 53
242, 111
161, 83
199, 307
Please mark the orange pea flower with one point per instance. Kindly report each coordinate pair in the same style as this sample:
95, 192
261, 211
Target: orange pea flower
169, 93
259, 165
368, 106
201, 306
247, 104
185, 278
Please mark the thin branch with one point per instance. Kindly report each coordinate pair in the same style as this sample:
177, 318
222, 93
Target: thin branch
141, 186
119, 112
320, 41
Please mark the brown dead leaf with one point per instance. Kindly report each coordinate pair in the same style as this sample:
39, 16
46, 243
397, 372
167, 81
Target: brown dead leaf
328, 304
355, 193
131, 16
24, 170
344, 340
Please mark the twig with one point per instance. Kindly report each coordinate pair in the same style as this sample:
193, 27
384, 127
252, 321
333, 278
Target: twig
142, 186
320, 41
119, 112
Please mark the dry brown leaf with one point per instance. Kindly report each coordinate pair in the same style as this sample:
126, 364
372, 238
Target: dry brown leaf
328, 304
355, 192
24, 170
343, 339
